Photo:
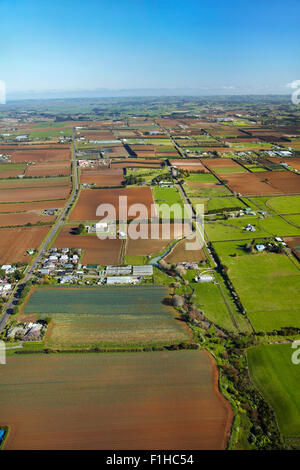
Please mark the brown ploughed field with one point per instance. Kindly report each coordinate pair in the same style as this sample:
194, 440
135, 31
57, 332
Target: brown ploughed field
162, 400
249, 184
15, 241
157, 240
180, 254
41, 155
21, 183
23, 218
10, 173
284, 181
35, 194
31, 206
48, 169
220, 163
189, 164
90, 199
138, 163
109, 177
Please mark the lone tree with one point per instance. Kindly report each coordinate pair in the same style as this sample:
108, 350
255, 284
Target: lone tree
80, 229
178, 301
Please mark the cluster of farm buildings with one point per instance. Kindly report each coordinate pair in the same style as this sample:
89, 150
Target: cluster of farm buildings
63, 266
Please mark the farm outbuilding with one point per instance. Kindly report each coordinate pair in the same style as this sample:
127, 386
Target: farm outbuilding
260, 247
121, 280
142, 270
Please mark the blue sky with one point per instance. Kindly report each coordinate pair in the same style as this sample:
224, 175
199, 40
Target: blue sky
213, 45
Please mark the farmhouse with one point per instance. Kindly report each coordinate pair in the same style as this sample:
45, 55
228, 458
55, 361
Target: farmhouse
249, 228
4, 288
8, 268
50, 211
66, 279
260, 247
45, 271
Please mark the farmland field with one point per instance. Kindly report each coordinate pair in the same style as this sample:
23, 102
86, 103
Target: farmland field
201, 178
191, 164
104, 178
28, 194
90, 199
15, 241
269, 182
232, 229
223, 171
48, 169
9, 170
224, 203
166, 197
107, 316
24, 183
137, 163
267, 284
221, 163
159, 237
23, 218
41, 155
30, 206
180, 254
278, 378
163, 400
285, 204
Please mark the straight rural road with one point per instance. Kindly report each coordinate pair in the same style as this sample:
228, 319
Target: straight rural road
30, 269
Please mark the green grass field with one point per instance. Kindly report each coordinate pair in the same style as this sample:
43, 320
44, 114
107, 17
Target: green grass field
285, 204
224, 202
41, 134
267, 284
12, 166
232, 229
168, 197
107, 316
201, 178
278, 379
208, 297
295, 219
206, 190
147, 173
217, 203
